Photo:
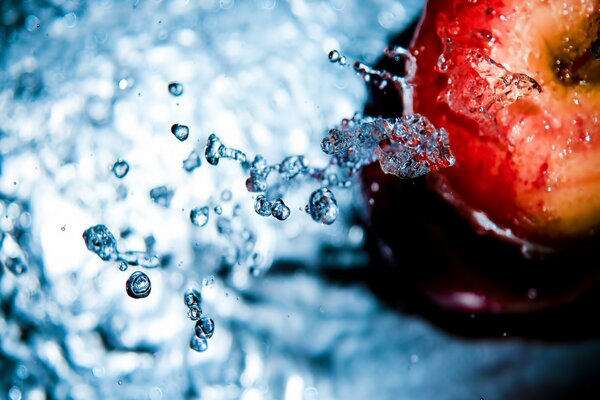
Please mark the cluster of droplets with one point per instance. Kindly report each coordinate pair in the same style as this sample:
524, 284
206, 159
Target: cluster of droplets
100, 240
407, 147
478, 86
205, 326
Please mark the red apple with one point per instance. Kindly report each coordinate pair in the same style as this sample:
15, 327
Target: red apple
516, 84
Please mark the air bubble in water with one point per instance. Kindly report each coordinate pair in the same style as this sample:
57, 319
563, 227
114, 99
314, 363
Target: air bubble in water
181, 132
101, 241
192, 161
279, 210
204, 328
199, 216
200, 345
120, 168
138, 285
162, 195
176, 89
322, 206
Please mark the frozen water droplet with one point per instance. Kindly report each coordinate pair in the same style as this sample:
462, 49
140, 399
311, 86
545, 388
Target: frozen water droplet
199, 216
279, 210
162, 195
176, 89
120, 168
262, 206
204, 328
322, 206
200, 345
138, 285
101, 241
181, 132
192, 161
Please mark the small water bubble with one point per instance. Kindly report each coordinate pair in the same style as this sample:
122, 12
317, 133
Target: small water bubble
262, 206
200, 345
138, 285
101, 241
120, 168
181, 132
279, 210
176, 89
226, 195
192, 161
123, 266
334, 56
218, 210
204, 328
322, 206
162, 195
199, 216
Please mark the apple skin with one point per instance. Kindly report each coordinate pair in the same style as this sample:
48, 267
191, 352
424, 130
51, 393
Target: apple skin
529, 171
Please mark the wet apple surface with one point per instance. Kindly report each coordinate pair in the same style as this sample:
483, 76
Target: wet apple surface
509, 234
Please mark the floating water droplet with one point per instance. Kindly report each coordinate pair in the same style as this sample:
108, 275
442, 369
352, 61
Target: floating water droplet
162, 195
192, 297
181, 132
204, 328
334, 56
279, 210
262, 206
199, 216
322, 206
176, 89
200, 345
101, 241
138, 285
218, 210
123, 265
120, 168
192, 161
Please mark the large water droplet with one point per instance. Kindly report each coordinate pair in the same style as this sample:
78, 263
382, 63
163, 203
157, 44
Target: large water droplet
176, 89
120, 168
181, 132
138, 285
199, 216
101, 241
262, 206
279, 210
204, 328
322, 206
